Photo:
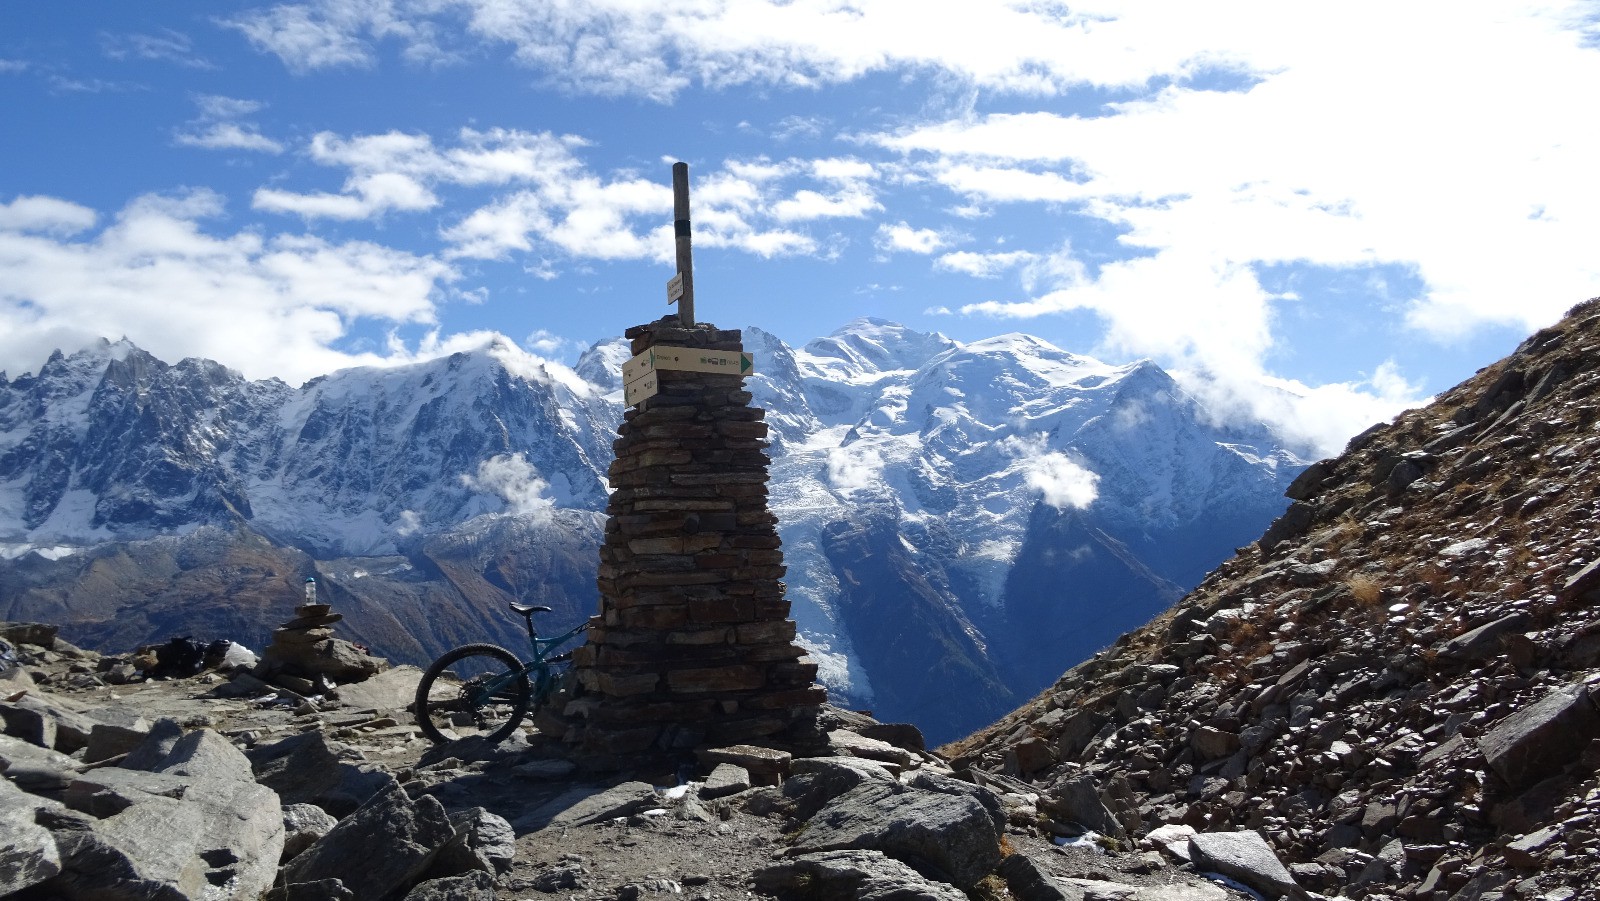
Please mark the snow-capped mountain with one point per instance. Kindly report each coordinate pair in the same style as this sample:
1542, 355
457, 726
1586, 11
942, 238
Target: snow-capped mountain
1019, 504
961, 522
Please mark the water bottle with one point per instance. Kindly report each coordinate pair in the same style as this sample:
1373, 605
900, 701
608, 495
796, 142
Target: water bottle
311, 590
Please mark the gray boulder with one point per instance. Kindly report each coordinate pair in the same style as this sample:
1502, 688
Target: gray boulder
191, 824
484, 842
947, 835
474, 886
817, 780
1076, 799
303, 825
33, 768
1483, 642
312, 769
853, 874
155, 746
28, 854
726, 779
46, 721
380, 848
115, 731
1539, 741
1244, 856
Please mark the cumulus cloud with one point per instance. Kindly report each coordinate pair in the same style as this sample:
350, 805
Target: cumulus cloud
514, 480
45, 214
1063, 483
267, 305
902, 237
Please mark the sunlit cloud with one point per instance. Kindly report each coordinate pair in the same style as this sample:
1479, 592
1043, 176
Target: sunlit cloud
263, 304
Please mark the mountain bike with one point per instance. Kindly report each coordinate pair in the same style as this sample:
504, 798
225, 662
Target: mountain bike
484, 688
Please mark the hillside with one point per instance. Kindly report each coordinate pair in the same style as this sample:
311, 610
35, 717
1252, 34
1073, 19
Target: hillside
1398, 685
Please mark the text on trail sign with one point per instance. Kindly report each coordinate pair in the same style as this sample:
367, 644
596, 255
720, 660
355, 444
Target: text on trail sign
675, 288
641, 389
639, 373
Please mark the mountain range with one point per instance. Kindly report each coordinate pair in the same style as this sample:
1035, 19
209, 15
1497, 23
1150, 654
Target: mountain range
960, 521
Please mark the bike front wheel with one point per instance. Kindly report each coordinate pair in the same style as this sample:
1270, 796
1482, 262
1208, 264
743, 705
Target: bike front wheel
474, 690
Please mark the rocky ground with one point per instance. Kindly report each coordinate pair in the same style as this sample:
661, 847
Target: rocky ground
1399, 684
216, 786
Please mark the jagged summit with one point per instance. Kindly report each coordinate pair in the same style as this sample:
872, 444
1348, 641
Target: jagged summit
1398, 685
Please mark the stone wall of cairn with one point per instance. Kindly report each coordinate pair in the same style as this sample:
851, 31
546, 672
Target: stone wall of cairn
693, 646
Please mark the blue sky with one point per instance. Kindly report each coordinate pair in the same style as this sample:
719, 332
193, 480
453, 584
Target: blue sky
1316, 216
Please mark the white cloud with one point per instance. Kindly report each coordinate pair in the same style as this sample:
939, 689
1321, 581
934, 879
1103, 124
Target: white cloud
1316, 420
409, 523
984, 265
307, 39
13, 65
169, 46
228, 136
546, 343
1064, 483
264, 304
902, 237
855, 468
45, 214
514, 480
217, 127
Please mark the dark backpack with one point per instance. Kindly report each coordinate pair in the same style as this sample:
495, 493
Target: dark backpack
180, 658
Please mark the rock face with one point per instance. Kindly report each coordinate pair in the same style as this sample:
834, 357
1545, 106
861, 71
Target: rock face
1396, 687
693, 646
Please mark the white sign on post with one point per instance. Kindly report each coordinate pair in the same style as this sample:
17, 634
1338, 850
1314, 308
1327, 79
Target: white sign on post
675, 288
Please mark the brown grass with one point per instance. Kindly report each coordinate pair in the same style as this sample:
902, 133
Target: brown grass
1366, 590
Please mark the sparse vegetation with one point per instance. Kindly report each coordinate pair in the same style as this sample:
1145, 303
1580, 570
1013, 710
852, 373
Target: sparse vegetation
1366, 590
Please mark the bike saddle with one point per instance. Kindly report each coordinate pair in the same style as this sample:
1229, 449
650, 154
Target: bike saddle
526, 609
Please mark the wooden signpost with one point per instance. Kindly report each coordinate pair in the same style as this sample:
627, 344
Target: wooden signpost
680, 228
639, 379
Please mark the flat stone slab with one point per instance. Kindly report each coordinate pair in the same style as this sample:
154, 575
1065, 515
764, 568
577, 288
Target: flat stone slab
871, 748
588, 804
760, 762
390, 690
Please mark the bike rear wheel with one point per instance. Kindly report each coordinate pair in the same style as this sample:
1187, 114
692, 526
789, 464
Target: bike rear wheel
474, 690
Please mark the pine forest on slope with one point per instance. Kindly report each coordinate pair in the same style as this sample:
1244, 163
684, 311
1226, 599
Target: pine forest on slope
961, 522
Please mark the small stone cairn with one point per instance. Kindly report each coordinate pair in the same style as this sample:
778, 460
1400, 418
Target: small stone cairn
693, 646
306, 658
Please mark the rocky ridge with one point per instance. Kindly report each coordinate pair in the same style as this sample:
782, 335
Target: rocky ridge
1397, 686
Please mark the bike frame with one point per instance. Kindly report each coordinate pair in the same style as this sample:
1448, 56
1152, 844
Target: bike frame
535, 670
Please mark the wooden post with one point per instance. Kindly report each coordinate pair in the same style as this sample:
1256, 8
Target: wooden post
680, 226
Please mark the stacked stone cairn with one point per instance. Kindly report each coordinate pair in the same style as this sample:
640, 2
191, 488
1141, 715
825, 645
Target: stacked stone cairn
693, 646
304, 657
